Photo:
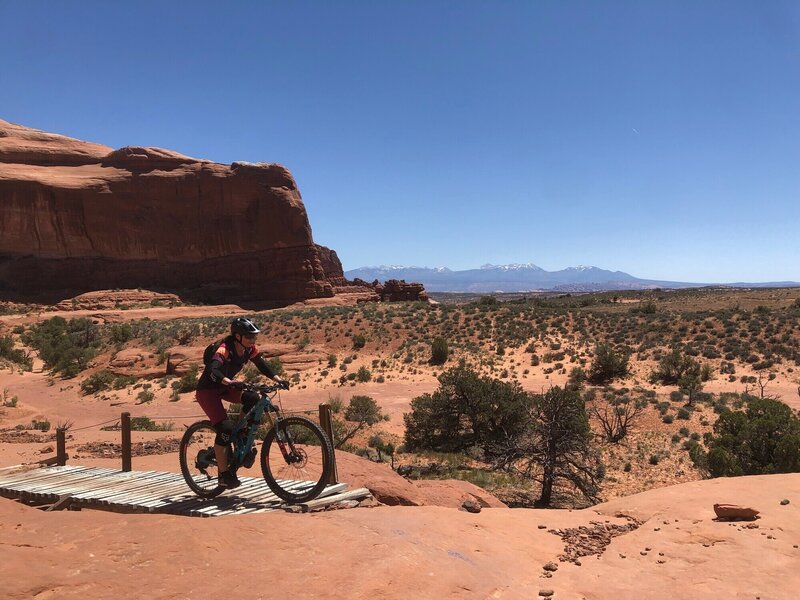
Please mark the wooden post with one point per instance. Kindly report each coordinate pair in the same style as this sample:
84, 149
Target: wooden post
61, 447
125, 424
326, 423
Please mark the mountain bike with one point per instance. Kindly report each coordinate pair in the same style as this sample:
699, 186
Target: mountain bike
296, 455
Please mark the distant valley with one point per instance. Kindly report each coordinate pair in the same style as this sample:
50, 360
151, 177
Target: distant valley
530, 278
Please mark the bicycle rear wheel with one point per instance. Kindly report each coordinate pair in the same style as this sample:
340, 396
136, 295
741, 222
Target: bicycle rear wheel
296, 459
198, 460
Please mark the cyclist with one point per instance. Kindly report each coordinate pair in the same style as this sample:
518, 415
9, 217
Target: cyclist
216, 384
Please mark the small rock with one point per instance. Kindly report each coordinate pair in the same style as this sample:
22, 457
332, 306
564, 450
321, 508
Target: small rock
643, 553
661, 562
648, 549
546, 593
551, 566
784, 502
578, 563
471, 506
622, 555
369, 502
734, 511
542, 526
657, 529
661, 554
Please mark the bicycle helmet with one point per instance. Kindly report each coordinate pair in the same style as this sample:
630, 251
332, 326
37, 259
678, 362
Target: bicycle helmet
243, 326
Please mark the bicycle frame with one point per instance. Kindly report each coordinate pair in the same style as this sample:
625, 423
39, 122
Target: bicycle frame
255, 414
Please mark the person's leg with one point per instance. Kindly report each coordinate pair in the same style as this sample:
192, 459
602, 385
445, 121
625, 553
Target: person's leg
211, 403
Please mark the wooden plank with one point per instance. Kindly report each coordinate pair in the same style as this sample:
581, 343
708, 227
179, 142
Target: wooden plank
43, 485
77, 485
35, 475
72, 481
359, 493
62, 504
114, 492
132, 486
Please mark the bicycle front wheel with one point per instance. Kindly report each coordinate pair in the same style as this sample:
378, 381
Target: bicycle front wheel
296, 459
198, 460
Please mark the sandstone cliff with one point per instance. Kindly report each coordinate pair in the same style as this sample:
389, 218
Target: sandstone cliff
77, 216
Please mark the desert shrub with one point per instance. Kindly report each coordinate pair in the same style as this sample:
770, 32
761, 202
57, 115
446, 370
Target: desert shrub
727, 368
123, 381
102, 380
361, 411
608, 364
66, 347
40, 425
359, 341
672, 367
119, 333
14, 355
363, 375
762, 439
8, 401
276, 365
467, 410
577, 377
145, 395
187, 382
439, 351
147, 424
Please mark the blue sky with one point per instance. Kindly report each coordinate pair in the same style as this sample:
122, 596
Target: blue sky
657, 138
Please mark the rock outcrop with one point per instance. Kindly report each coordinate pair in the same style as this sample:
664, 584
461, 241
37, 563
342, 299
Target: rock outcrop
393, 290
77, 216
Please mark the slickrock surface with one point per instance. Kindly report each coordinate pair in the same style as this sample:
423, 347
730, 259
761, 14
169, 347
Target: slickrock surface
677, 550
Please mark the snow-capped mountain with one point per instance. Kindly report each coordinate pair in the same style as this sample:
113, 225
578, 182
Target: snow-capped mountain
526, 278
513, 267
505, 278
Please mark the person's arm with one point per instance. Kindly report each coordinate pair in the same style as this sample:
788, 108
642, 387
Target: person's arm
215, 367
264, 367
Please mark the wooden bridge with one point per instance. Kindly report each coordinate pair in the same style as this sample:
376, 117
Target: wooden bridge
75, 487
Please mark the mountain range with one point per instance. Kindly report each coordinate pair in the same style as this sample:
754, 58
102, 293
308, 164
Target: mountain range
528, 278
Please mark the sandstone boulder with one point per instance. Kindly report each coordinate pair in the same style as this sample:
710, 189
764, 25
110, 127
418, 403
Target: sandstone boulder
79, 217
181, 359
734, 511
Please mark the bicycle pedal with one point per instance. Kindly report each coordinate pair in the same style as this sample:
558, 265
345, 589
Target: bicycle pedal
250, 458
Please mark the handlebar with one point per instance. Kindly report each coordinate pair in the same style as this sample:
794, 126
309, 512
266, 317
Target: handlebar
261, 389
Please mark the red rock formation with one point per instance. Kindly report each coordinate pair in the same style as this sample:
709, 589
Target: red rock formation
77, 216
394, 291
